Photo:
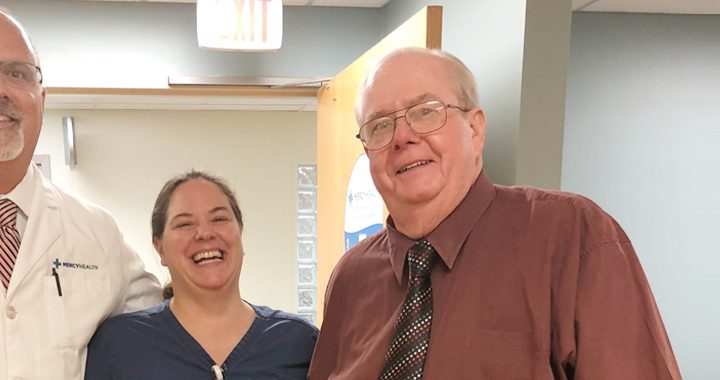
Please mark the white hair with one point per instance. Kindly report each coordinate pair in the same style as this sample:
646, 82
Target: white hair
462, 78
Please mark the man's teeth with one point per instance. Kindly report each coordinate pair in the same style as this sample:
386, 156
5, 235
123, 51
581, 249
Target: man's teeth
413, 165
198, 257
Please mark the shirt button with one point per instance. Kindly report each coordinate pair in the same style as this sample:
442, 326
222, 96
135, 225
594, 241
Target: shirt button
10, 312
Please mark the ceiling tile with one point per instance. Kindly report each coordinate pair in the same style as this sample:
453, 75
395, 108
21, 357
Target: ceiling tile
649, 6
325, 3
351, 3
296, 2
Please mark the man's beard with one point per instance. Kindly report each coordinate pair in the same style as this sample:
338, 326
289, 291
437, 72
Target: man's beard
12, 139
12, 142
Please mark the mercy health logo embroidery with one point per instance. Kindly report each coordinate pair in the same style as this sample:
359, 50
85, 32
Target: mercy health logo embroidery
57, 264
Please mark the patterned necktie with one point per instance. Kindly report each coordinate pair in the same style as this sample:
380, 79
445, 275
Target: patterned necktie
406, 355
9, 240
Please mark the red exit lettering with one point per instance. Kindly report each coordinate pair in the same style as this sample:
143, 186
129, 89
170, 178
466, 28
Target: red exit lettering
246, 27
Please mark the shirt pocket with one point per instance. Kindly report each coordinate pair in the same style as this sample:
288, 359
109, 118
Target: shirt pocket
496, 354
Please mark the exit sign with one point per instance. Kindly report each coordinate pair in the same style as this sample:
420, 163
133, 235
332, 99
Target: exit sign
247, 25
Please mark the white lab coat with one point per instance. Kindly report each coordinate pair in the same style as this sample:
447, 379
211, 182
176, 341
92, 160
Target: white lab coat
45, 335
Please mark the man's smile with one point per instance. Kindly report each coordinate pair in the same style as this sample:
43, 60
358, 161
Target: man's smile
412, 166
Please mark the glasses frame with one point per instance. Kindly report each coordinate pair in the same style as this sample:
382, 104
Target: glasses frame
36, 67
445, 107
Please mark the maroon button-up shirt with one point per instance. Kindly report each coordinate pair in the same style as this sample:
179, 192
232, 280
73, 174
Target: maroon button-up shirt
532, 285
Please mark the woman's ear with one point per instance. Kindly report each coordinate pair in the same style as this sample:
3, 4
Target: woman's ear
157, 243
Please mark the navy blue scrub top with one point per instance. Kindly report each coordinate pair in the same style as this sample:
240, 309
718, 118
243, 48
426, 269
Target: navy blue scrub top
152, 345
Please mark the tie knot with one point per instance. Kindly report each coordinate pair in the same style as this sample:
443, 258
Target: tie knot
8, 212
421, 258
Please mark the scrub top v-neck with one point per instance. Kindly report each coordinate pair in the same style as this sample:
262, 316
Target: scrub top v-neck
153, 345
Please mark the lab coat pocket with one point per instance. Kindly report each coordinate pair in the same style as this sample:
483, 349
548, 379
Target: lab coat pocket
496, 354
75, 307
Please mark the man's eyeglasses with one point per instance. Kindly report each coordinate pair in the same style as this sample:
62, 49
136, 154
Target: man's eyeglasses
423, 118
21, 74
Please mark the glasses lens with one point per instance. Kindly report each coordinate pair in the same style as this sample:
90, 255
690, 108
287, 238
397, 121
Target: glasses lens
20, 73
427, 117
378, 132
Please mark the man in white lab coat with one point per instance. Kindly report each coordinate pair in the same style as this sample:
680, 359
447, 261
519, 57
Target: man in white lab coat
73, 268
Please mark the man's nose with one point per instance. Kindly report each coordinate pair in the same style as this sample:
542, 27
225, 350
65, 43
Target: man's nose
404, 133
3, 86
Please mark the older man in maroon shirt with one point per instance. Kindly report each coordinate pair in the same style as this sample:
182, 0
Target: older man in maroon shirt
527, 283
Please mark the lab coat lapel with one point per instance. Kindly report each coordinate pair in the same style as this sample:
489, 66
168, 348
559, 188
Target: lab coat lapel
41, 231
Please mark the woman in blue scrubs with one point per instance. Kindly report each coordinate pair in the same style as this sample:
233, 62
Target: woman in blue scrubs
204, 330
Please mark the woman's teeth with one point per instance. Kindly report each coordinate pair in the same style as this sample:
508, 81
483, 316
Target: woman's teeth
202, 256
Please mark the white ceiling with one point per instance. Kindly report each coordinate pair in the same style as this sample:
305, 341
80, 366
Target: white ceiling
649, 6
633, 6
319, 3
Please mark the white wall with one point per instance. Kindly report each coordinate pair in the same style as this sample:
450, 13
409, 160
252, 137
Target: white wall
642, 138
124, 157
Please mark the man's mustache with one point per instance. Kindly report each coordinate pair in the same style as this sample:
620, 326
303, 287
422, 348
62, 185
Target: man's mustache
9, 110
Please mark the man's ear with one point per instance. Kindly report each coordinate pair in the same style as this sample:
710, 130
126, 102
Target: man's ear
42, 100
157, 243
476, 121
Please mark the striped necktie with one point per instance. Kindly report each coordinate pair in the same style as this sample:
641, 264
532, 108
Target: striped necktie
9, 240
406, 355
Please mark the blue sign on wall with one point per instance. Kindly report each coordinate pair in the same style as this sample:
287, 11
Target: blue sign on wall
363, 205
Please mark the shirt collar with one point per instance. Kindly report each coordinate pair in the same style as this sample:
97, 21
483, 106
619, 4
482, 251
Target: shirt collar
22, 194
450, 235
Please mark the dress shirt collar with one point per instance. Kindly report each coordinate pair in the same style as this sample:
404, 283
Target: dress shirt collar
22, 194
450, 235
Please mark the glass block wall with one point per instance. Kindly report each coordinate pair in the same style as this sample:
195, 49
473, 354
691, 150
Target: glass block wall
307, 242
